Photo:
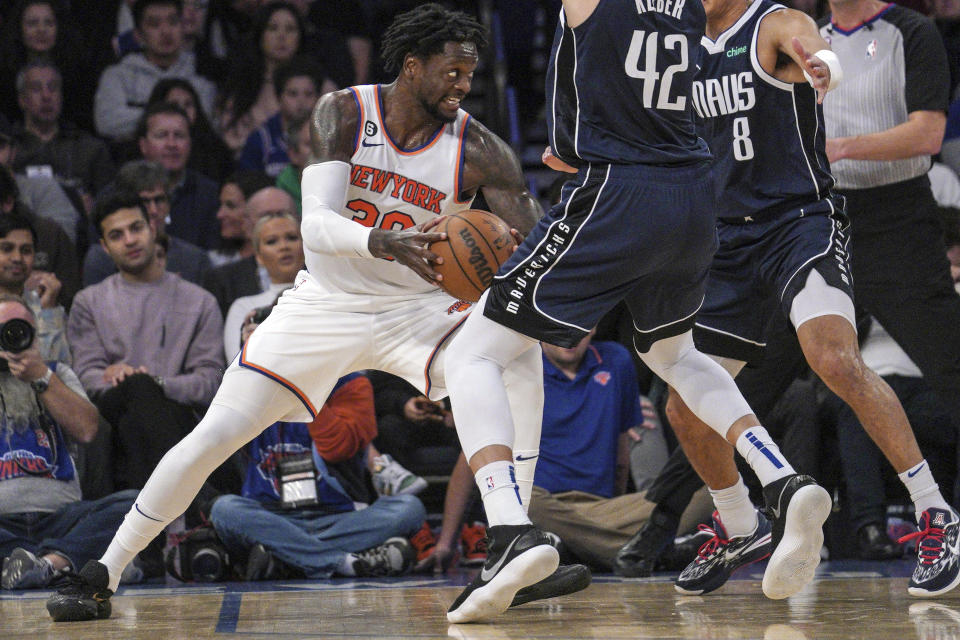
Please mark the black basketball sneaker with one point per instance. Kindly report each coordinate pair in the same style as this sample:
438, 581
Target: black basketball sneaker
721, 555
567, 579
517, 556
85, 597
938, 553
797, 507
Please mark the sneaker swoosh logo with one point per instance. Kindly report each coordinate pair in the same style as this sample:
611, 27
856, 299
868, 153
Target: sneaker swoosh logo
522, 458
371, 144
910, 474
486, 574
759, 542
775, 511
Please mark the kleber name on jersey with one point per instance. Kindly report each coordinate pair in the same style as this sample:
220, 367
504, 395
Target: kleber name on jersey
728, 94
406, 189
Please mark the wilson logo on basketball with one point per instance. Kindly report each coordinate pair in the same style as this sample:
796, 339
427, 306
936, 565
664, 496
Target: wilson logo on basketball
478, 261
458, 307
603, 377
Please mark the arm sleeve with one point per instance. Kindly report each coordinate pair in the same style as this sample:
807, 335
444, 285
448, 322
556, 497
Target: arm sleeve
346, 423
927, 76
324, 230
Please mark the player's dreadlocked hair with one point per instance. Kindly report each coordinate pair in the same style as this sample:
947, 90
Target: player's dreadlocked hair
425, 30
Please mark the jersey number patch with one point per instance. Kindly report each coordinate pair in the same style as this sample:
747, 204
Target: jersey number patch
647, 45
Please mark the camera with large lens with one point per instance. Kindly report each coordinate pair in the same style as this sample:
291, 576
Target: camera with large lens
198, 555
16, 335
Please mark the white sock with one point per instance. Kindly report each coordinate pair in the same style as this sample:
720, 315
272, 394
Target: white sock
763, 455
501, 496
737, 513
923, 490
140, 526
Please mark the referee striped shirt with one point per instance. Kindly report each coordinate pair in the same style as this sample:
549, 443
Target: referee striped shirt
893, 63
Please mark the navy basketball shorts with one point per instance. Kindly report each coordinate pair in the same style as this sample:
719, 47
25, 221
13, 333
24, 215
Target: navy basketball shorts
637, 233
761, 266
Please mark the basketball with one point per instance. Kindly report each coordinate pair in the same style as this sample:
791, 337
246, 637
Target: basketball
477, 243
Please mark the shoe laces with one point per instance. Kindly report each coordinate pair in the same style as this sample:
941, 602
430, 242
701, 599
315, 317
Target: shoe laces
714, 545
930, 546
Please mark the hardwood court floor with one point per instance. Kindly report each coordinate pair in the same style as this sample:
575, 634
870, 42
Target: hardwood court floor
848, 601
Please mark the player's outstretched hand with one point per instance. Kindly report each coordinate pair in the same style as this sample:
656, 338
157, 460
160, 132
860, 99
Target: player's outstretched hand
411, 248
817, 71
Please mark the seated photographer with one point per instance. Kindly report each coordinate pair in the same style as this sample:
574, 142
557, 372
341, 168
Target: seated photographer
39, 289
298, 513
278, 248
147, 345
45, 526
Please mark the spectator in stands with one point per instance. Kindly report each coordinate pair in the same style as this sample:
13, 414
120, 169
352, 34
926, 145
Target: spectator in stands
164, 138
41, 193
234, 239
193, 20
276, 37
320, 533
37, 289
50, 145
413, 431
46, 528
297, 84
350, 20
124, 87
148, 345
209, 155
278, 249
42, 30
591, 402
245, 277
298, 150
151, 182
53, 251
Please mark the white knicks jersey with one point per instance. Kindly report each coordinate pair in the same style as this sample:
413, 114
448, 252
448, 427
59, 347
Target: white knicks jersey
393, 188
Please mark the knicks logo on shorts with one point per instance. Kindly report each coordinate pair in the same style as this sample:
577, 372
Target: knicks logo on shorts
458, 307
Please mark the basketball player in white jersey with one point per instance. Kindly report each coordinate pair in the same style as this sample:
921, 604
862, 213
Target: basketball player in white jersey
387, 160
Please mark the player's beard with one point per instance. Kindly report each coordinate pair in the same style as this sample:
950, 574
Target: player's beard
434, 111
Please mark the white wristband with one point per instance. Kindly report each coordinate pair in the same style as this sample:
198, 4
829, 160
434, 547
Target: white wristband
830, 59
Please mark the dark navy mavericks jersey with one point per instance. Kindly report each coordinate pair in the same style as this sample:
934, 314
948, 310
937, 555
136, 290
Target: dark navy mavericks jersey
767, 136
618, 85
